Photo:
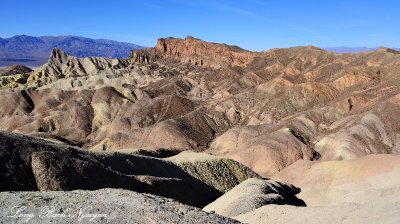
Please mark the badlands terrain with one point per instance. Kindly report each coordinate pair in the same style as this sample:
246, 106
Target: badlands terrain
196, 132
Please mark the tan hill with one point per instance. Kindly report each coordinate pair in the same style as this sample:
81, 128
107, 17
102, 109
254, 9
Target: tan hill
376, 178
374, 212
361, 190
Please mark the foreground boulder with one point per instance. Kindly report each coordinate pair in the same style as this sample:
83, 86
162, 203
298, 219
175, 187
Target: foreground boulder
252, 194
101, 206
221, 173
31, 164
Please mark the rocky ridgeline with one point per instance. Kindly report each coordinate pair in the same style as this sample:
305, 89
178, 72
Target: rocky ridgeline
194, 51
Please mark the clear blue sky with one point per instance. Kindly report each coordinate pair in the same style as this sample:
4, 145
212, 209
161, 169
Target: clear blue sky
251, 24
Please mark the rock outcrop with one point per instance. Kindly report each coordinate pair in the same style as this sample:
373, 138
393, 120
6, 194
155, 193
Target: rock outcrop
194, 51
11, 76
221, 173
63, 66
252, 194
14, 70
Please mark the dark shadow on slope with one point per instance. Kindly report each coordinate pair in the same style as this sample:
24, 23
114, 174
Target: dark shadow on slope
31, 164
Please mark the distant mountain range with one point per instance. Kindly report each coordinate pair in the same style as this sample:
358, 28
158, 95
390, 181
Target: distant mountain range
341, 50
34, 51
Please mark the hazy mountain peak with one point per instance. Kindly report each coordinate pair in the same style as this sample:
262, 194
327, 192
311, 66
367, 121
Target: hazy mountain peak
387, 50
34, 51
341, 50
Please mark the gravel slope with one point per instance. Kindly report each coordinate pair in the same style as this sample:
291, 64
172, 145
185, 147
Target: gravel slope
109, 205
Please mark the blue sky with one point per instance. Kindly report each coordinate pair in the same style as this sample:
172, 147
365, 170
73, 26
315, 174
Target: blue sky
251, 24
